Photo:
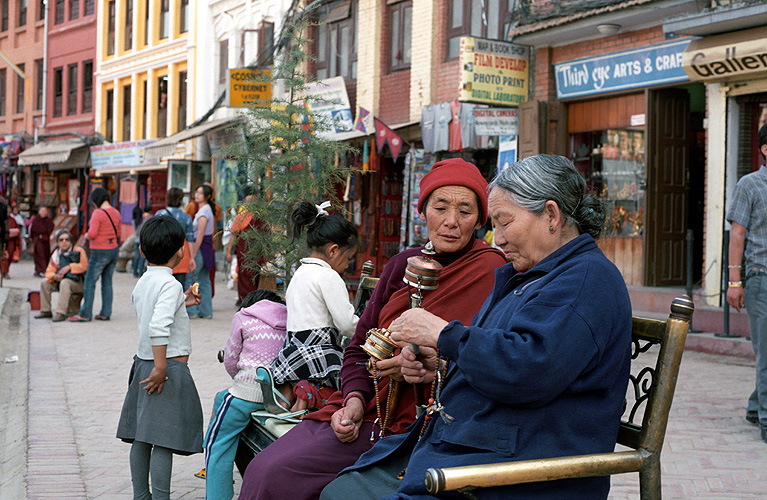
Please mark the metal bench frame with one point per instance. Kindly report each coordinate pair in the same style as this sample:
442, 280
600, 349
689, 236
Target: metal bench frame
651, 388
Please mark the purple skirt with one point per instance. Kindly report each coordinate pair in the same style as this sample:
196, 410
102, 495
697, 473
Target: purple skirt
208, 254
301, 463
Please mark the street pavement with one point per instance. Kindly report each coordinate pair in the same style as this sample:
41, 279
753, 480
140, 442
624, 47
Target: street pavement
76, 374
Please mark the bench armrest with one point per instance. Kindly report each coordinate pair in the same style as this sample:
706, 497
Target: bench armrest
530, 471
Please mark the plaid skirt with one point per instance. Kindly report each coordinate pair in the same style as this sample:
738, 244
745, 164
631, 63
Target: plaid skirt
314, 355
171, 419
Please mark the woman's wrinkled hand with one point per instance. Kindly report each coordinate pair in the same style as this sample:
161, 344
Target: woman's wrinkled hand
417, 326
346, 422
419, 368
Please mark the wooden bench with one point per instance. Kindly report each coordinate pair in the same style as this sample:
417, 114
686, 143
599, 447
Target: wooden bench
651, 389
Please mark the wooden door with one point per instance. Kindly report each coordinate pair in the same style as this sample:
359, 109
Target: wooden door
666, 205
532, 128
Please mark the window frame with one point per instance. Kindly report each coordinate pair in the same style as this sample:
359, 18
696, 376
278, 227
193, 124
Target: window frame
403, 35
39, 90
87, 92
59, 14
3, 90
58, 92
128, 28
164, 21
111, 40
181, 109
72, 78
465, 28
74, 9
333, 29
20, 90
4, 15
223, 60
266, 50
22, 12
109, 112
161, 127
127, 117
90, 7
183, 20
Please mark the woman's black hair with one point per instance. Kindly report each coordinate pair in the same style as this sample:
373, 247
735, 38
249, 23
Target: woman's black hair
321, 229
99, 196
207, 192
261, 294
174, 197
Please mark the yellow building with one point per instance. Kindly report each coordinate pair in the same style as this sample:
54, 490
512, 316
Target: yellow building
145, 53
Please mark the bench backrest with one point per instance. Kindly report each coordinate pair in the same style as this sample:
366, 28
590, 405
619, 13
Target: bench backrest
651, 388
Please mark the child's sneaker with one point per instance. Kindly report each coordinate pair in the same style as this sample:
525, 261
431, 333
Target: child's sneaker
200, 474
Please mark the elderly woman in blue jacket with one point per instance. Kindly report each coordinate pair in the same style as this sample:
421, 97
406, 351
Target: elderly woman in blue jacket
542, 371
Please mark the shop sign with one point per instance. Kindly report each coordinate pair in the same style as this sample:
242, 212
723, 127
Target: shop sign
731, 56
251, 88
645, 67
496, 121
329, 104
121, 155
494, 72
226, 142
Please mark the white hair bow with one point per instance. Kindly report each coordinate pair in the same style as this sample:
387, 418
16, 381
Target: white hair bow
321, 208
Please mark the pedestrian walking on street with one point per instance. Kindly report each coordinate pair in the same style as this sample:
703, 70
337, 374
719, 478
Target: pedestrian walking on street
202, 252
104, 238
40, 229
161, 414
748, 220
173, 199
258, 332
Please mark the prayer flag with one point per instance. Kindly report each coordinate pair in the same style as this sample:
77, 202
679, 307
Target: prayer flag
385, 135
362, 123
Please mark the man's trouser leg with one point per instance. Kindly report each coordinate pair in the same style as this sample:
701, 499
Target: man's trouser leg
66, 288
46, 289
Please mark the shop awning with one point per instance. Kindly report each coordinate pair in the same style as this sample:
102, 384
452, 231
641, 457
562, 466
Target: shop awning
62, 154
166, 147
740, 55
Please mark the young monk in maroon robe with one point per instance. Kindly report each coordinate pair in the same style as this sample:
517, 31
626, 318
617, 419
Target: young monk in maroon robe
40, 229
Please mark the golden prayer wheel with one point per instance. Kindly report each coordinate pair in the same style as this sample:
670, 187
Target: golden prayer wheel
378, 345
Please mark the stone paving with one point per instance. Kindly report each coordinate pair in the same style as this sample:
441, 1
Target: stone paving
77, 377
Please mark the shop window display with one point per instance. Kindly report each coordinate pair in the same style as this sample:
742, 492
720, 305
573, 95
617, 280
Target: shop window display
613, 163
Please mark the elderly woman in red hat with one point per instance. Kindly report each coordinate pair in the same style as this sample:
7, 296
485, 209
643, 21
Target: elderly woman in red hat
453, 202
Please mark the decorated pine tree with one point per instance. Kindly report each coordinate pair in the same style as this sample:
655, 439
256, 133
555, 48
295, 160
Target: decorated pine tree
287, 158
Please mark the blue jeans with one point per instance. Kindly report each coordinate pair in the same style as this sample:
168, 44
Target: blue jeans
756, 307
139, 262
201, 275
231, 416
100, 265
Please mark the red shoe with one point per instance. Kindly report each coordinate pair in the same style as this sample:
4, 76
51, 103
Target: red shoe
78, 319
101, 317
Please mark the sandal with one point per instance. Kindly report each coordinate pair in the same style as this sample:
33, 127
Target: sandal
101, 317
277, 405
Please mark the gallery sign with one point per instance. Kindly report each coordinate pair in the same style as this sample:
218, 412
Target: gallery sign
494, 72
648, 66
733, 56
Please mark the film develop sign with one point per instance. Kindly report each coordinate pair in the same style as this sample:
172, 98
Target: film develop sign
494, 72
248, 88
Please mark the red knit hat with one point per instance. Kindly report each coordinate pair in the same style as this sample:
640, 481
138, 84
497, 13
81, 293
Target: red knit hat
455, 172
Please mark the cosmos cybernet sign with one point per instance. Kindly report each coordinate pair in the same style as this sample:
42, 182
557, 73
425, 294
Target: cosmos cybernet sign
645, 67
494, 72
